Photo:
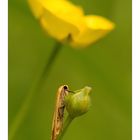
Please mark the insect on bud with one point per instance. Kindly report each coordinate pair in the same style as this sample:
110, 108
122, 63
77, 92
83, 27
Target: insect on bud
78, 103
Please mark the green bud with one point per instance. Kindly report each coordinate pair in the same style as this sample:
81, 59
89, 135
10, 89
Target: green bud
78, 103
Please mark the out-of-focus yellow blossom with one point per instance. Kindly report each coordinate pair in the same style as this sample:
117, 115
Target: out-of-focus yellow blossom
67, 22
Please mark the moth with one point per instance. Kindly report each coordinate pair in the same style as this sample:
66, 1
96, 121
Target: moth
58, 116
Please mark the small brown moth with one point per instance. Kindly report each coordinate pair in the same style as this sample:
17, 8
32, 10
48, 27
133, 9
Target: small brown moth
59, 112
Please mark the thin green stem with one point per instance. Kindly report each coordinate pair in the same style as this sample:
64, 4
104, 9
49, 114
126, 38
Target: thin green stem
35, 88
66, 125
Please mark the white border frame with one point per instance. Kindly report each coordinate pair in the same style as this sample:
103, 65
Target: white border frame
4, 70
136, 70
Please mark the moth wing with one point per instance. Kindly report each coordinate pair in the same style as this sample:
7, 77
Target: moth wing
57, 120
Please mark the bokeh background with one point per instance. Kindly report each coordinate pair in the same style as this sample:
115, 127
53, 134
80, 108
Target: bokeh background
105, 66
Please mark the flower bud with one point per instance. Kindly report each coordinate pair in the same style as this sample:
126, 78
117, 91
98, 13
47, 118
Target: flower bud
78, 103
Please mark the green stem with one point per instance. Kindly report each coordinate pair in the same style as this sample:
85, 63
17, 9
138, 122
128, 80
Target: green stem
66, 125
35, 88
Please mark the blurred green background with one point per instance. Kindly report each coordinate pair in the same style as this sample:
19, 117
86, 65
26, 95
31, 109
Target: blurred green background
105, 66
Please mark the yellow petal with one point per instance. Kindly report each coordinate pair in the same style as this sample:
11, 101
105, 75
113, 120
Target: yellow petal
96, 27
59, 18
63, 9
36, 8
57, 28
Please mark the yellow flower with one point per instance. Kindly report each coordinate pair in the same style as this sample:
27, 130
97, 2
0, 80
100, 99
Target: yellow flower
67, 22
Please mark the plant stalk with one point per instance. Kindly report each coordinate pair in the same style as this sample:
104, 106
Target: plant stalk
66, 125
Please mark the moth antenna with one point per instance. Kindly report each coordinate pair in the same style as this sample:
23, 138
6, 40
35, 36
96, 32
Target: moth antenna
70, 91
